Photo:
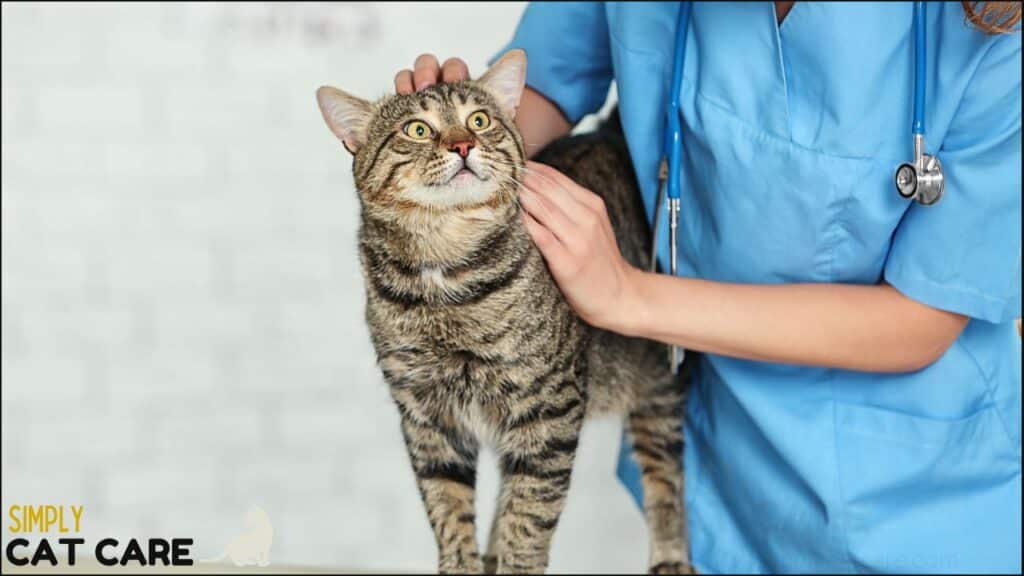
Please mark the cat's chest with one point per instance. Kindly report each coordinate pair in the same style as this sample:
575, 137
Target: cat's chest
481, 310
463, 336
466, 352
439, 285
434, 278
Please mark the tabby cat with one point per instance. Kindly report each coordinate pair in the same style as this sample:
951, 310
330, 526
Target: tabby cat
472, 334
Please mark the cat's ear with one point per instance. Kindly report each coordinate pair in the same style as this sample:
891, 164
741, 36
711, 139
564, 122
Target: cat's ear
347, 116
505, 80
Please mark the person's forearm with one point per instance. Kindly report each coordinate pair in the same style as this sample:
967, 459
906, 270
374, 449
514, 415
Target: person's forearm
870, 328
539, 121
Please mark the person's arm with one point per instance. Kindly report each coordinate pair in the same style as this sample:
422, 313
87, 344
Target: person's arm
540, 122
538, 119
856, 327
870, 328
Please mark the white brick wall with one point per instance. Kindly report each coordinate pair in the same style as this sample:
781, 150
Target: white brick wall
182, 331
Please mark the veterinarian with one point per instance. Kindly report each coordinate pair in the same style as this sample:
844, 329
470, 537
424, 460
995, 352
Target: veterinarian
857, 406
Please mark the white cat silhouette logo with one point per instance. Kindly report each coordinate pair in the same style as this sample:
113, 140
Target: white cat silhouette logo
251, 547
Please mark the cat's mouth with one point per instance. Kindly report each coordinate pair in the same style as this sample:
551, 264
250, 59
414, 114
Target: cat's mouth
465, 183
465, 174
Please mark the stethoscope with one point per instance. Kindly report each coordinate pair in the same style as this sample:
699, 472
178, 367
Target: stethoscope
921, 180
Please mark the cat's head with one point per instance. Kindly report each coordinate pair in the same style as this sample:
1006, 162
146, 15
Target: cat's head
448, 147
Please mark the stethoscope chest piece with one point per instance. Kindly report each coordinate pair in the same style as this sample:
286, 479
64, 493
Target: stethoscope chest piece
922, 180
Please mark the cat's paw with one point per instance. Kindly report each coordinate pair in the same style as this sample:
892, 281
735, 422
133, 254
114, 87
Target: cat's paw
465, 569
671, 568
470, 564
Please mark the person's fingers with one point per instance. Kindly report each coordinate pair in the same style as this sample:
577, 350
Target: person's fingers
403, 82
426, 71
556, 193
549, 171
546, 242
577, 192
548, 214
454, 70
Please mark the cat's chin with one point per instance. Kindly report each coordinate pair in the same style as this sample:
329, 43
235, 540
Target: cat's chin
463, 179
463, 190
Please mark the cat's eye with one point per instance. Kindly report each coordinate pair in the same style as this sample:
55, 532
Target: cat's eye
478, 121
418, 130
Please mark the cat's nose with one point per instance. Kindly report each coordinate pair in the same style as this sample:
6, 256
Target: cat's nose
462, 148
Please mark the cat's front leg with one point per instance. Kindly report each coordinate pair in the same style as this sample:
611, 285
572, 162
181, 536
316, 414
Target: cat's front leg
445, 465
536, 465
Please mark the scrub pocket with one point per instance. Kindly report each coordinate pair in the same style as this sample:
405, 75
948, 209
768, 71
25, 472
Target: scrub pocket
946, 498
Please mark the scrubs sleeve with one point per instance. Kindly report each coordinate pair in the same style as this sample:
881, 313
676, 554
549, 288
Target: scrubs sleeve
963, 253
568, 55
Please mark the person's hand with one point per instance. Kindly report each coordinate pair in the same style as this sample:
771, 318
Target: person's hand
570, 226
427, 72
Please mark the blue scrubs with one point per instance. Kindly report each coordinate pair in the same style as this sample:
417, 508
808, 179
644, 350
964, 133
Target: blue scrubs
791, 136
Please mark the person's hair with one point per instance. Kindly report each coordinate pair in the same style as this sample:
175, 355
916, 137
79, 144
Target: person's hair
993, 17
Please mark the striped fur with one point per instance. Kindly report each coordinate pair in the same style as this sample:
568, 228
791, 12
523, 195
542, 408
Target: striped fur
478, 345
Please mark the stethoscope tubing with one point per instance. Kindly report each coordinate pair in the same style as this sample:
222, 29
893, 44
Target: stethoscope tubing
920, 62
669, 189
673, 142
674, 134
669, 171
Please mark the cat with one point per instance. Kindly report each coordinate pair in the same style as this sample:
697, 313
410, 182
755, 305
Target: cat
473, 335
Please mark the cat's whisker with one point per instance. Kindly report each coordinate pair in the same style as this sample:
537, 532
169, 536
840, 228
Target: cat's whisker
557, 185
508, 179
